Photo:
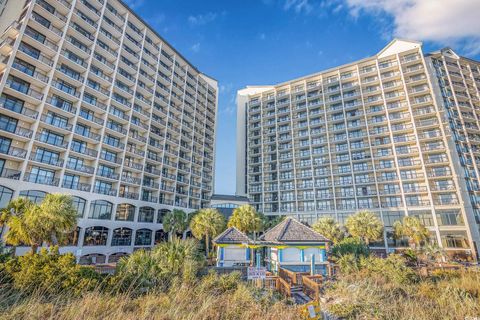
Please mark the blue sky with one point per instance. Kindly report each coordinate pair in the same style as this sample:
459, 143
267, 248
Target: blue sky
248, 42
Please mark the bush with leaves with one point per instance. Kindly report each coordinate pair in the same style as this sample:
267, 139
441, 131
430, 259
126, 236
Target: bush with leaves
145, 270
50, 273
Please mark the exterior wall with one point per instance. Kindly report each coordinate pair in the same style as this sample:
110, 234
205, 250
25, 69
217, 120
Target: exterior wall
230, 255
367, 135
94, 103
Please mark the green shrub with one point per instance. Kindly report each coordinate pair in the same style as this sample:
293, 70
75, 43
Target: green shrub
352, 246
51, 273
156, 269
392, 268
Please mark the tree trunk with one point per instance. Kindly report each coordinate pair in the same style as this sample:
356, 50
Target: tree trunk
207, 245
53, 238
34, 248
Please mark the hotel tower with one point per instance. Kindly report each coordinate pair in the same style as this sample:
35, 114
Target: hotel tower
96, 104
397, 134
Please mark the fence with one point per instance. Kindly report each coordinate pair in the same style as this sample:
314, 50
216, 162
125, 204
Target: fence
312, 286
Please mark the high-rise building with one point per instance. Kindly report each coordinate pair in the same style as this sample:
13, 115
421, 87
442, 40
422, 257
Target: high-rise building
94, 103
397, 134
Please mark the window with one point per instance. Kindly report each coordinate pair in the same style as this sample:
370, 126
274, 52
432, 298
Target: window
79, 204
8, 124
70, 181
72, 238
161, 214
5, 196
125, 212
145, 214
160, 236
95, 236
33, 195
143, 237
100, 209
454, 239
449, 218
425, 217
43, 176
122, 237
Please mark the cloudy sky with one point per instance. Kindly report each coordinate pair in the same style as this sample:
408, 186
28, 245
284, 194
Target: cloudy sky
253, 42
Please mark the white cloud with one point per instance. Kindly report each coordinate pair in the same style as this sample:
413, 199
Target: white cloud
134, 4
196, 47
448, 22
202, 19
299, 6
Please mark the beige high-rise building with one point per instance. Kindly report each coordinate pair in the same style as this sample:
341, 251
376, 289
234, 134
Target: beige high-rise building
94, 103
397, 133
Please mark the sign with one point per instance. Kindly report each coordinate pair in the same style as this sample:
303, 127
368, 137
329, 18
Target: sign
254, 273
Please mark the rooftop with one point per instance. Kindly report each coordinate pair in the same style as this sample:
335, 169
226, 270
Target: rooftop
232, 236
292, 230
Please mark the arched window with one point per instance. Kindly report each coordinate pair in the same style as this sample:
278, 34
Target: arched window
72, 238
161, 214
5, 196
122, 237
95, 236
145, 214
114, 257
100, 209
160, 236
79, 204
33, 195
125, 212
93, 258
143, 237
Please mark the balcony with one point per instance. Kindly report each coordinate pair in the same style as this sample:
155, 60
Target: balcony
80, 167
77, 186
129, 195
41, 179
24, 89
10, 174
46, 159
18, 107
13, 151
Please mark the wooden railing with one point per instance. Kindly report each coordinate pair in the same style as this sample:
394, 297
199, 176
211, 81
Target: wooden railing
312, 285
293, 278
283, 287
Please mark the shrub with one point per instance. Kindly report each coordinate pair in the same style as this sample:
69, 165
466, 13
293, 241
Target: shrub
352, 246
51, 273
156, 269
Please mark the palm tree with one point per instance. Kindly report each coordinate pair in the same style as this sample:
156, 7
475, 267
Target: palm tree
271, 221
175, 222
246, 219
207, 223
329, 228
434, 253
32, 224
60, 217
411, 228
365, 225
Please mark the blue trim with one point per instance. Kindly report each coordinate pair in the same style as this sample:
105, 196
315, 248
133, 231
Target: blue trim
247, 254
222, 253
323, 255
280, 255
302, 255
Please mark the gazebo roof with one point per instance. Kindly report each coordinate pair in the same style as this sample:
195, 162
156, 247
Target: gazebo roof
292, 230
232, 236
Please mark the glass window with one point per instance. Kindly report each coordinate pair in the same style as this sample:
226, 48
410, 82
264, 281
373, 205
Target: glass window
5, 196
100, 209
449, 217
161, 214
8, 124
146, 214
72, 239
79, 204
122, 237
33, 195
125, 212
160, 236
95, 236
143, 237
454, 239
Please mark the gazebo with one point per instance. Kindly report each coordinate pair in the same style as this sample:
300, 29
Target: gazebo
232, 248
291, 245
